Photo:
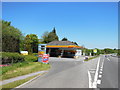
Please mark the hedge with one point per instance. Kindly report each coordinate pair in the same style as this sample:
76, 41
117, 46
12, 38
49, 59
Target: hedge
8, 57
31, 58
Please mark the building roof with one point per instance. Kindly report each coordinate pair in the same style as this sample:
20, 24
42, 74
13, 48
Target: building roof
61, 43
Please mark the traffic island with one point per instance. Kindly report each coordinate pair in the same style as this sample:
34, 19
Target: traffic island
89, 58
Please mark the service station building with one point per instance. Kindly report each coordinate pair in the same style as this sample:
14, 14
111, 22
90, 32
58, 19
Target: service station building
63, 49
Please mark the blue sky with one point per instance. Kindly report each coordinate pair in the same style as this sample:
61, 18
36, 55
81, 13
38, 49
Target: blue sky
92, 24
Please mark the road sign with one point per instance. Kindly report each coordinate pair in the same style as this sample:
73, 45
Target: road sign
45, 58
95, 50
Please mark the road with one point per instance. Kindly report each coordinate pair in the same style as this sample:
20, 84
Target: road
109, 73
71, 73
65, 73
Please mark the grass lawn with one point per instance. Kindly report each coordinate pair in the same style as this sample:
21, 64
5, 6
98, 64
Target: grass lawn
22, 68
16, 83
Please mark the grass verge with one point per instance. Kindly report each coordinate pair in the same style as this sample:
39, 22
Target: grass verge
16, 83
22, 68
91, 58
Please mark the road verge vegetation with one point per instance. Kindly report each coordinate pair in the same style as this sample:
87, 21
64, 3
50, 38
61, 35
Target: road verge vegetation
29, 65
17, 83
8, 58
91, 58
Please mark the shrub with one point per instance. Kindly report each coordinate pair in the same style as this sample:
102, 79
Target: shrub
35, 54
8, 57
31, 58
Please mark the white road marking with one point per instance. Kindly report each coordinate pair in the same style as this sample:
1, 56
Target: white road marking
92, 70
90, 80
98, 81
100, 76
27, 82
108, 59
96, 74
101, 69
102, 64
100, 72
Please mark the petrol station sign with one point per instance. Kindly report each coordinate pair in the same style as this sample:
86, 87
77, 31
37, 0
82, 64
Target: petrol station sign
42, 56
45, 58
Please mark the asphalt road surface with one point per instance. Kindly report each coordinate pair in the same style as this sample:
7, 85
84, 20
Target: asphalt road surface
72, 73
65, 73
109, 73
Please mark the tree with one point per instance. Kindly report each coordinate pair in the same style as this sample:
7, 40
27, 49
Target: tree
52, 36
31, 43
10, 37
54, 30
64, 39
44, 37
108, 51
49, 36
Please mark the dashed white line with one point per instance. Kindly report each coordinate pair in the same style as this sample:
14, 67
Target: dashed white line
100, 72
100, 76
101, 69
98, 81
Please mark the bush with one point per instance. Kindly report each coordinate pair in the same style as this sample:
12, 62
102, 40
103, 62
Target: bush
35, 54
31, 58
8, 57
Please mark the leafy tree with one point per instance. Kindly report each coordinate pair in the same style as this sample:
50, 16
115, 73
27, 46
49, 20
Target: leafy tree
31, 43
49, 36
52, 36
45, 37
10, 37
108, 51
0, 35
22, 43
64, 39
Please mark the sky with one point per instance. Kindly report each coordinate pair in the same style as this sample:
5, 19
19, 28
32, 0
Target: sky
60, 0
90, 24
